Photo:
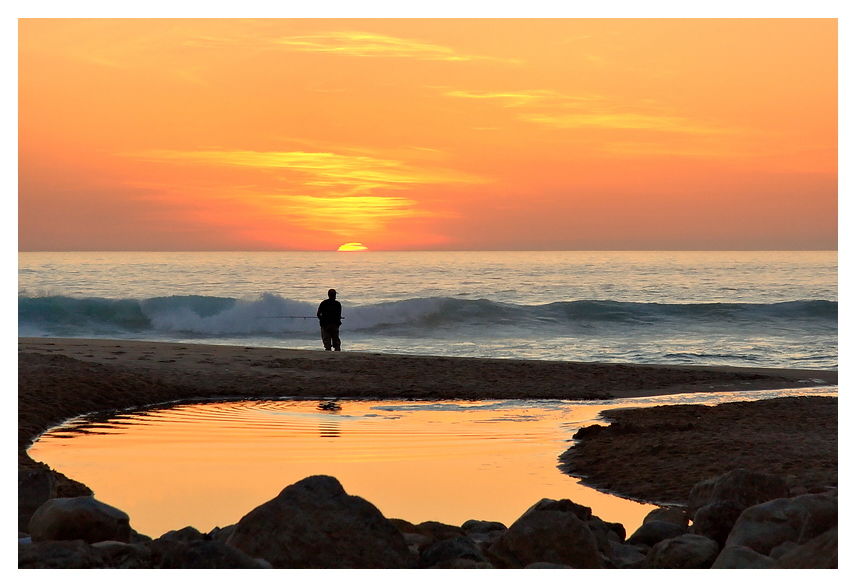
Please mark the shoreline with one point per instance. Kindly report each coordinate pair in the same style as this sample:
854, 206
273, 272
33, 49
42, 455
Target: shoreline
61, 378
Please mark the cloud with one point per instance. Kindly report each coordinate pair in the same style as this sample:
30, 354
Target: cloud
526, 97
345, 215
622, 120
343, 174
362, 44
564, 111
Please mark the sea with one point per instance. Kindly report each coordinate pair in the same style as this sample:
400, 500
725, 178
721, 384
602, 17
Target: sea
736, 308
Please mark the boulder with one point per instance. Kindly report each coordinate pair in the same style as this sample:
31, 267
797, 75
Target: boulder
461, 563
220, 534
83, 518
437, 531
432, 531
315, 524
765, 526
35, 487
456, 548
186, 534
549, 535
673, 514
122, 555
742, 557
625, 555
546, 504
60, 554
200, 554
482, 527
611, 530
716, 519
605, 534
783, 549
688, 551
650, 533
416, 543
821, 552
745, 487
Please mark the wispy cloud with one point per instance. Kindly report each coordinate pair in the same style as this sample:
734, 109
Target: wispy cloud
623, 120
566, 111
340, 174
362, 44
346, 215
527, 97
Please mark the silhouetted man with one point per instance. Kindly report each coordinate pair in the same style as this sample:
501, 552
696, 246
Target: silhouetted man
330, 317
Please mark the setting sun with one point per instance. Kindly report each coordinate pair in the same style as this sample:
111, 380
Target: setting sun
353, 247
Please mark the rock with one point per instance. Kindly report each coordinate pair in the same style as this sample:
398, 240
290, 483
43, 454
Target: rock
821, 552
783, 549
200, 554
672, 514
83, 518
220, 534
122, 555
60, 554
485, 541
688, 551
459, 547
764, 526
186, 534
416, 543
315, 524
547, 536
433, 531
650, 533
437, 531
482, 527
547, 566
403, 526
461, 563
716, 519
35, 487
742, 557
582, 512
605, 534
744, 487
137, 538
625, 555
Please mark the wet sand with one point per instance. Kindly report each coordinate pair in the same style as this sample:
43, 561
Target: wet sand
63, 378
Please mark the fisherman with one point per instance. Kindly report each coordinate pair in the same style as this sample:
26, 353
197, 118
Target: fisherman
330, 317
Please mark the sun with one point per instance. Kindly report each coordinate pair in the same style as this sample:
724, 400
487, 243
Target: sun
353, 247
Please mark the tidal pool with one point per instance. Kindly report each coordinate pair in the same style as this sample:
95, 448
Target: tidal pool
206, 465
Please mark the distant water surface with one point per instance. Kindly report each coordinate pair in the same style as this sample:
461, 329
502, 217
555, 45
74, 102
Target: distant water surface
766, 309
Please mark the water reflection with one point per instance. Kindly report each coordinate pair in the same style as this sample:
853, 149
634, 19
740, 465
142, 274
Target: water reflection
207, 465
329, 429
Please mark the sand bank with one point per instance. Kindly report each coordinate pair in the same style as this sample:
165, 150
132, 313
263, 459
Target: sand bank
62, 378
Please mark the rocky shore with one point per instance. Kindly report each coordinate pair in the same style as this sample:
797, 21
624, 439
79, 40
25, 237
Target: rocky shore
739, 520
755, 483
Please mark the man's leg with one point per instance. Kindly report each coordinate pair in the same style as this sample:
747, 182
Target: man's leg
326, 338
334, 335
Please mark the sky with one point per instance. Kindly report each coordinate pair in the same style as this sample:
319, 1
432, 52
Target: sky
427, 134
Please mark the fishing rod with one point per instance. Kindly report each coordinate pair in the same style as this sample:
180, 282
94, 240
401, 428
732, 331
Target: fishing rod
292, 317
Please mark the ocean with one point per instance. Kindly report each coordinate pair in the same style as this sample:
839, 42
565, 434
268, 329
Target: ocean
761, 309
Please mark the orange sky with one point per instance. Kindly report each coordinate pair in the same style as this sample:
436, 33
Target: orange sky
401, 134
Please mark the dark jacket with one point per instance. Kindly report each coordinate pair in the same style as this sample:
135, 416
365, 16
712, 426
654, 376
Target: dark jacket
329, 312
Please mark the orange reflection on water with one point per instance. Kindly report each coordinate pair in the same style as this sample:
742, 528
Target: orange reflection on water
208, 465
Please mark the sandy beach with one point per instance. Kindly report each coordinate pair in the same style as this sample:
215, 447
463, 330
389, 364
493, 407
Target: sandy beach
63, 378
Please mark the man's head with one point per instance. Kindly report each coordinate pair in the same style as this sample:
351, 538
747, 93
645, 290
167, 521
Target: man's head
331, 293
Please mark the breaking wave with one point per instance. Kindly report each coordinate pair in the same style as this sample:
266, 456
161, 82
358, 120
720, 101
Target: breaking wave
272, 314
